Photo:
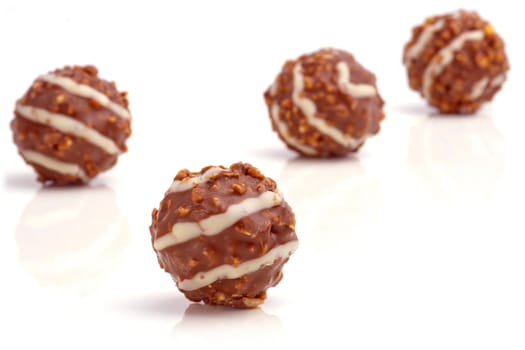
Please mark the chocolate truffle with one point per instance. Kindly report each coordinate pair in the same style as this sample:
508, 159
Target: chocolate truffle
224, 234
71, 125
324, 104
456, 61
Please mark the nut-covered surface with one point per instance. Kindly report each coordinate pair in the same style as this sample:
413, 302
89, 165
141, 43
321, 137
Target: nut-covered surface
224, 234
324, 104
70, 125
456, 61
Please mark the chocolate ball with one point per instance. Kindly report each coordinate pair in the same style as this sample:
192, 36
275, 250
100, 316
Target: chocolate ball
324, 104
456, 61
70, 125
224, 234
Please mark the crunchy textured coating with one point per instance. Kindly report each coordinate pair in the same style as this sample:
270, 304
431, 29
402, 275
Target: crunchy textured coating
453, 90
354, 117
53, 143
29, 135
250, 237
246, 292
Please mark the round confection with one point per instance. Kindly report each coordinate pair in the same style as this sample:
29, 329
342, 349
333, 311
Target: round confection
456, 61
224, 234
324, 104
70, 125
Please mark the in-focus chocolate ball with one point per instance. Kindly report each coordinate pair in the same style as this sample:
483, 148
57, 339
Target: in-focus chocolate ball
456, 61
324, 104
71, 125
224, 234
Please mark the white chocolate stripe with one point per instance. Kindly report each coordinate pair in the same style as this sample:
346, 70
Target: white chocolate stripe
54, 164
422, 41
349, 88
283, 131
445, 56
215, 224
67, 125
188, 183
274, 87
309, 110
498, 79
202, 279
86, 91
478, 88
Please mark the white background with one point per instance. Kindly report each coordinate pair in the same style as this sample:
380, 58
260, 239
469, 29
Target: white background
417, 242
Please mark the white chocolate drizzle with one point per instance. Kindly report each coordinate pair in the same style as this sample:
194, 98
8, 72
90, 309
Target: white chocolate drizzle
86, 91
283, 131
309, 110
445, 56
215, 224
54, 164
478, 88
498, 79
416, 48
274, 87
67, 125
202, 279
349, 88
190, 182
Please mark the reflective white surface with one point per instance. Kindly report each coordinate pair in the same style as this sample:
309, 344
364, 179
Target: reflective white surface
415, 242
69, 238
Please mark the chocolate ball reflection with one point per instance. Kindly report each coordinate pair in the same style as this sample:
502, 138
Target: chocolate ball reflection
456, 164
328, 192
70, 237
205, 326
